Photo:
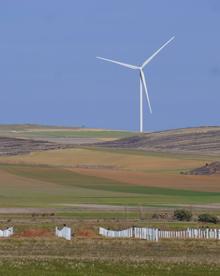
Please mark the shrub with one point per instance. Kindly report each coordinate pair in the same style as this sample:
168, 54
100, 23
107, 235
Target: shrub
208, 218
182, 214
155, 216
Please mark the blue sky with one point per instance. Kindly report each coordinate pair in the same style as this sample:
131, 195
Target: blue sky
49, 73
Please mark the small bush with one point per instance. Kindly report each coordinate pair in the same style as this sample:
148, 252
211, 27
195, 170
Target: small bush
207, 218
183, 215
155, 216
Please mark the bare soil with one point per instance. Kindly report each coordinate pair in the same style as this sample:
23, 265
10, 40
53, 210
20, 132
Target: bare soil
33, 233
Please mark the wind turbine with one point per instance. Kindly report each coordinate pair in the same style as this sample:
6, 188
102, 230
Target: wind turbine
143, 83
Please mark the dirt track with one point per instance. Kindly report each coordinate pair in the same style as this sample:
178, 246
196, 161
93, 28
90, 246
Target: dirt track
25, 210
95, 207
105, 208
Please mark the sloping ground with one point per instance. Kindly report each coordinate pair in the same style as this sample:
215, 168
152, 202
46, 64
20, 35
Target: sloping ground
127, 167
41, 187
14, 146
195, 140
208, 169
62, 134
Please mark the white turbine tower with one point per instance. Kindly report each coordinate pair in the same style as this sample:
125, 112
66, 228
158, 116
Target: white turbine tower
142, 78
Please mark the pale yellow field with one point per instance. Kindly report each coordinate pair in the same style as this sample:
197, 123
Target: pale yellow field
93, 158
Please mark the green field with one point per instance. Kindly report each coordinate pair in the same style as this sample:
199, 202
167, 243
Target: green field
38, 131
117, 177
51, 186
76, 134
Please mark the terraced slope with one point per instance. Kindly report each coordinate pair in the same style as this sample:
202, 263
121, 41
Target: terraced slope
204, 140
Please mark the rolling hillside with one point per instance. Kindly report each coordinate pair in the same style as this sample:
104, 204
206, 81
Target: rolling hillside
205, 140
61, 134
119, 172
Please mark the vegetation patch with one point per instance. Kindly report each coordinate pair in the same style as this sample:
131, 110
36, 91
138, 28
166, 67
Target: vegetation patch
208, 218
183, 215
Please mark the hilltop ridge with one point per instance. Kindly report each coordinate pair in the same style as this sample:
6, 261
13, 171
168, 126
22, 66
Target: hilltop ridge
190, 140
199, 140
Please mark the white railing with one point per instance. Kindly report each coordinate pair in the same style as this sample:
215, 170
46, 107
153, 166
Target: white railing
154, 234
63, 233
7, 232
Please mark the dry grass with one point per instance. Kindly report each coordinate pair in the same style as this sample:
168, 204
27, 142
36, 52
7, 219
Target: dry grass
78, 157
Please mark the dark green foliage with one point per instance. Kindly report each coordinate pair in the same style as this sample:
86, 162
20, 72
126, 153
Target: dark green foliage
182, 215
208, 218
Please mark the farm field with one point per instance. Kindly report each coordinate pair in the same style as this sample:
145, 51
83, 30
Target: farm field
94, 176
86, 187
51, 187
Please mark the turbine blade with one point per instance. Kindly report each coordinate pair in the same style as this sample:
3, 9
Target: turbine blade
157, 52
145, 89
120, 63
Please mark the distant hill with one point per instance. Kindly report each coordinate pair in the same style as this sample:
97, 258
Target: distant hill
61, 134
201, 140
15, 146
204, 140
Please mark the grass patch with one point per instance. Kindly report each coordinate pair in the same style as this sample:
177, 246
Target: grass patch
141, 152
64, 267
77, 134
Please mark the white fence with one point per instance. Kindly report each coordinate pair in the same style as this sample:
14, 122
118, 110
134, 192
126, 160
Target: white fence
191, 233
151, 234
63, 233
127, 233
154, 234
7, 232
